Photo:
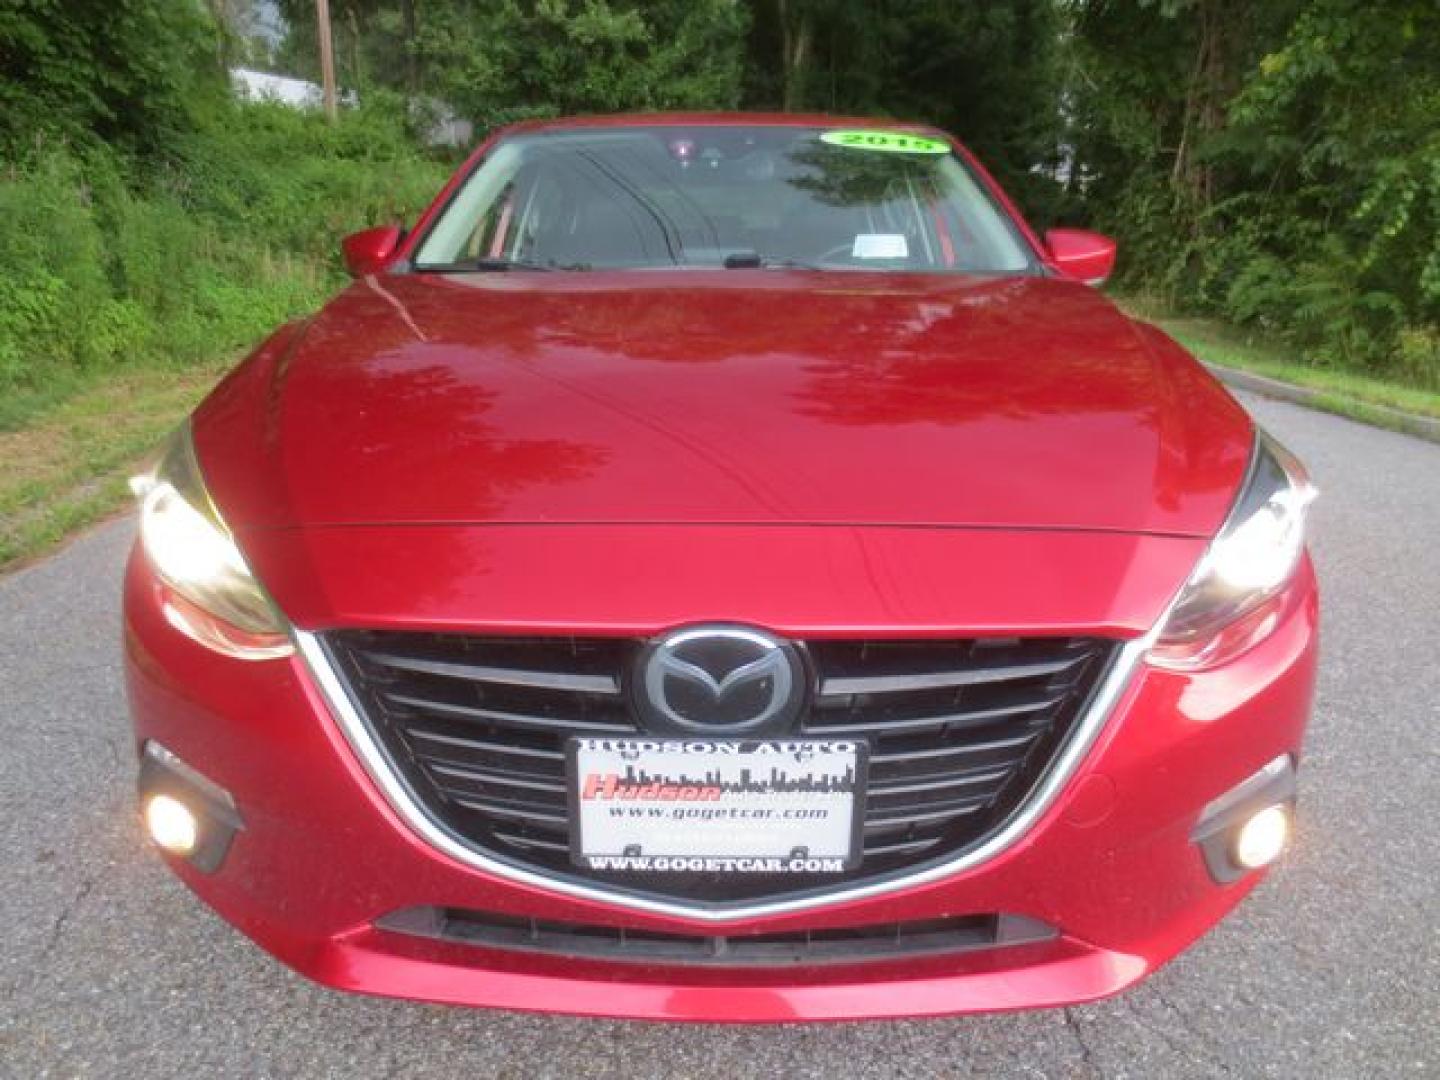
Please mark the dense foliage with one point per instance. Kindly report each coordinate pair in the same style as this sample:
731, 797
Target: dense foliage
115, 262
500, 60
1277, 164
101, 71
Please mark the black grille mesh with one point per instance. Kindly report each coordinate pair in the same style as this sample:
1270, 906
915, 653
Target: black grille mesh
847, 945
959, 733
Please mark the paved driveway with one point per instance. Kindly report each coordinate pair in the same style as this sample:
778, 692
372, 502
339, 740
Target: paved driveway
1332, 970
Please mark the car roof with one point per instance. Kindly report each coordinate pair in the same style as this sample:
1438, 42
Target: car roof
715, 119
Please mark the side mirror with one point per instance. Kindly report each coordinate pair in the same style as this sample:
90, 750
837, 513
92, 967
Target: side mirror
1081, 255
368, 252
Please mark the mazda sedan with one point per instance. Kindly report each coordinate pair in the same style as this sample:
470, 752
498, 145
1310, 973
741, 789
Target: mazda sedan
721, 568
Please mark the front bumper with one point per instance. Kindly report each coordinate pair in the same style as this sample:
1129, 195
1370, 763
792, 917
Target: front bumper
1112, 864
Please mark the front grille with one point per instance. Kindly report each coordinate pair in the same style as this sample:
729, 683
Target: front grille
959, 734
844, 945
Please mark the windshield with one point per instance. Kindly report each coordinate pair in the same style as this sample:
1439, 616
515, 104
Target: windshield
733, 196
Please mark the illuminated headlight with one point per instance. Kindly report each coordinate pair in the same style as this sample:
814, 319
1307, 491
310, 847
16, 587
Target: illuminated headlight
216, 599
1248, 564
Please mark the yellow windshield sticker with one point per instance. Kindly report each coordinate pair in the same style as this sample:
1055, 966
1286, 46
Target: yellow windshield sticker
889, 142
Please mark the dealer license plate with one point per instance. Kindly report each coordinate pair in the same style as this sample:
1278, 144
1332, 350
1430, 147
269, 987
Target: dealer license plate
715, 806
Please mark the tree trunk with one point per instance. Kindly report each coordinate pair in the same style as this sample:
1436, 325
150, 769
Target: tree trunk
1193, 181
327, 57
412, 45
795, 44
353, 21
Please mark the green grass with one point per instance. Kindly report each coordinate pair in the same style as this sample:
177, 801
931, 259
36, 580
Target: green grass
67, 467
1343, 392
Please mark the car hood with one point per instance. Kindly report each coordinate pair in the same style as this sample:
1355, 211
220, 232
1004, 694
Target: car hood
764, 397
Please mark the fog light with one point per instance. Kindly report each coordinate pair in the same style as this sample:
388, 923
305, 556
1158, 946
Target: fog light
172, 826
185, 812
1261, 839
1247, 827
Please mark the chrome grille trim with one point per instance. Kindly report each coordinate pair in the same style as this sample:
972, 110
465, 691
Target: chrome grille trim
842, 686
545, 680
1061, 767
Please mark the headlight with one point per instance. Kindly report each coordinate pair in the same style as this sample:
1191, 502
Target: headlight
217, 600
1222, 607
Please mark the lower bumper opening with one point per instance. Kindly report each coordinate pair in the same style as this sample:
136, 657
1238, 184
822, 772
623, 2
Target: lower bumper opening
846, 945
196, 820
1266, 798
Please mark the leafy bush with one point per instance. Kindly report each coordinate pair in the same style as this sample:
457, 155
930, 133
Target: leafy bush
288, 179
55, 286
117, 73
196, 257
1291, 183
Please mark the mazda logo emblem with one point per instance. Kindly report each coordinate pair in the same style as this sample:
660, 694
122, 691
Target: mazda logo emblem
719, 679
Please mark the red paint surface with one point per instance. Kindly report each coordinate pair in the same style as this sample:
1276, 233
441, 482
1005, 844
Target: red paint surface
803, 582
761, 397
816, 454
1127, 893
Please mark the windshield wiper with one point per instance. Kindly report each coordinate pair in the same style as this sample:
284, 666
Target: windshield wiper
753, 260
497, 264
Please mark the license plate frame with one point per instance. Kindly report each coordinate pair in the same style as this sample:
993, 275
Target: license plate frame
825, 778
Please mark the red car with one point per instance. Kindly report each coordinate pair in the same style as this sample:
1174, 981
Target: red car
722, 568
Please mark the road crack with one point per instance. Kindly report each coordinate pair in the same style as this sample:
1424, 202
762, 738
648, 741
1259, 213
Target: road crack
52, 939
1201, 1048
57, 928
1087, 1055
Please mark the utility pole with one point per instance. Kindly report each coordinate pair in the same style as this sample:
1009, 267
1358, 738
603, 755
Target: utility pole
327, 56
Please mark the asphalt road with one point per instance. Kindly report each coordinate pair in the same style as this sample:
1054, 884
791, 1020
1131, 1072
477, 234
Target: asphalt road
1332, 969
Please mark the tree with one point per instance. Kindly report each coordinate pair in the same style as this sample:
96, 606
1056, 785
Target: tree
1335, 144
987, 72
1278, 164
494, 60
123, 72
